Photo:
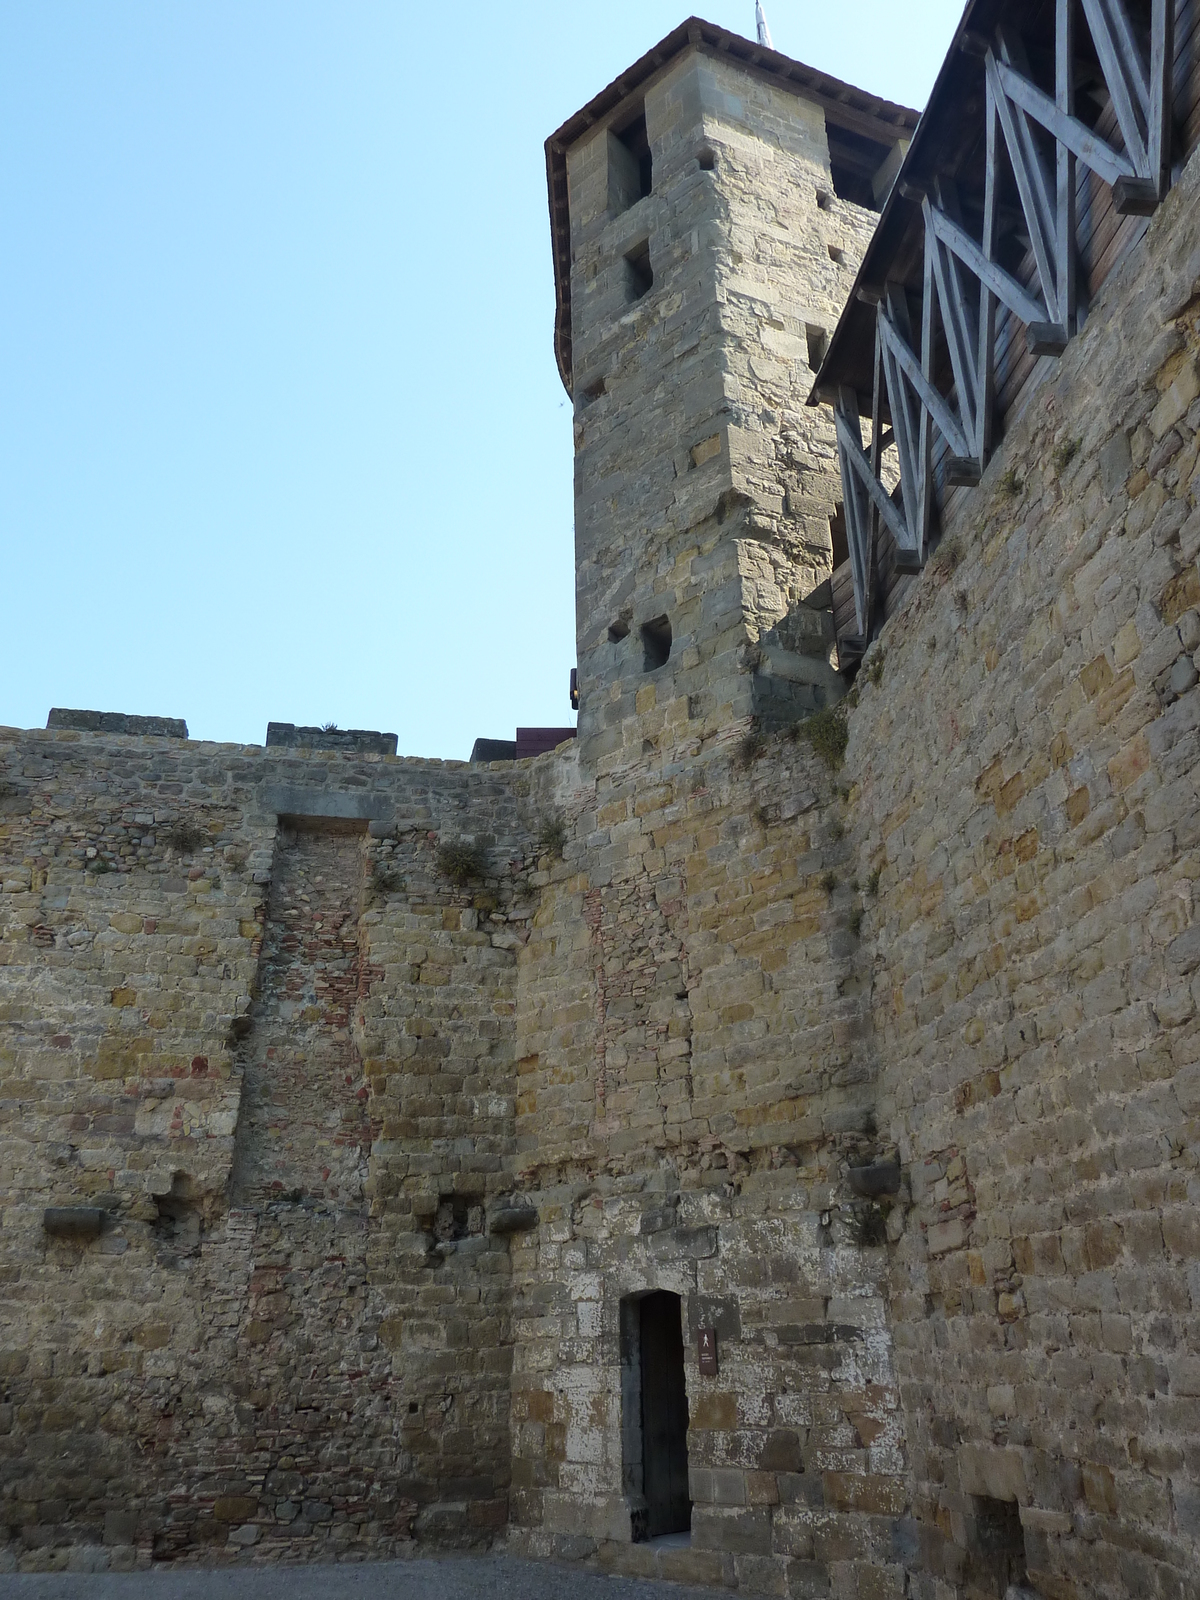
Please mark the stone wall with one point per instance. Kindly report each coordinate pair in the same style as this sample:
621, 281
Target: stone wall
988, 1375
692, 1091
1025, 786
275, 1056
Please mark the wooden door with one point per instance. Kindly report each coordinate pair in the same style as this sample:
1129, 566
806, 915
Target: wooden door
664, 1417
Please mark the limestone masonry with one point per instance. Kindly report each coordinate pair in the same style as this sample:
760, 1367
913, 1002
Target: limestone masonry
755, 1143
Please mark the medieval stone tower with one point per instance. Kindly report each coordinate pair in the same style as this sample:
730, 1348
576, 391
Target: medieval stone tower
710, 211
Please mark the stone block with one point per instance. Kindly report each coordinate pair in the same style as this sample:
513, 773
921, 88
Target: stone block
996, 1473
740, 1531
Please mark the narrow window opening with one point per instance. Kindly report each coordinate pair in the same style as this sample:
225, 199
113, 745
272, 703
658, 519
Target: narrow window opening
837, 533
996, 1542
707, 157
656, 643
637, 141
639, 275
854, 161
818, 343
618, 630
654, 1416
630, 165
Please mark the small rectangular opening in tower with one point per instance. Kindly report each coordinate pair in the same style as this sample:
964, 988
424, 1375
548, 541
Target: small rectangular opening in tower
630, 164
818, 343
854, 161
637, 141
656, 644
639, 274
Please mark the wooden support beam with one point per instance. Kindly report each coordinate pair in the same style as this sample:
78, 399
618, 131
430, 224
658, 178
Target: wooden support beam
1038, 201
1078, 138
905, 420
1162, 94
938, 407
928, 313
1002, 284
987, 300
855, 474
851, 439
962, 472
1117, 52
877, 383
1065, 251
958, 317
1135, 197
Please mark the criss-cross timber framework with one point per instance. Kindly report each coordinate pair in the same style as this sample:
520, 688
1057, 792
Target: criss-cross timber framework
1012, 251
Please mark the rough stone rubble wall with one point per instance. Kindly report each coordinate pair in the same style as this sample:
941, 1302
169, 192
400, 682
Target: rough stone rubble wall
283, 1348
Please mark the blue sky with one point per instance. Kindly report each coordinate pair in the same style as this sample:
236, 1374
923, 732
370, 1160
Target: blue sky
281, 433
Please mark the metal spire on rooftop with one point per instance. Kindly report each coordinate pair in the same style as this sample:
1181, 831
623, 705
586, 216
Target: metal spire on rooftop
760, 18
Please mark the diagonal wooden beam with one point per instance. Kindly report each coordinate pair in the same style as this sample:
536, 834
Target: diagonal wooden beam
1093, 151
1119, 60
938, 407
1002, 284
859, 534
958, 323
1033, 181
905, 421
1162, 86
851, 439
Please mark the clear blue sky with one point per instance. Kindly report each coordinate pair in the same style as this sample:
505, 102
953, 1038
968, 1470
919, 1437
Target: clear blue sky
281, 433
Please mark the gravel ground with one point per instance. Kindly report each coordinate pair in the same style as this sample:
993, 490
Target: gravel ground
455, 1578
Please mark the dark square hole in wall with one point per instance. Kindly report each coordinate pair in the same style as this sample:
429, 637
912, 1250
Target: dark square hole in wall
836, 255
818, 343
177, 1224
639, 274
707, 157
824, 200
592, 391
458, 1216
996, 1547
656, 643
618, 630
837, 532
